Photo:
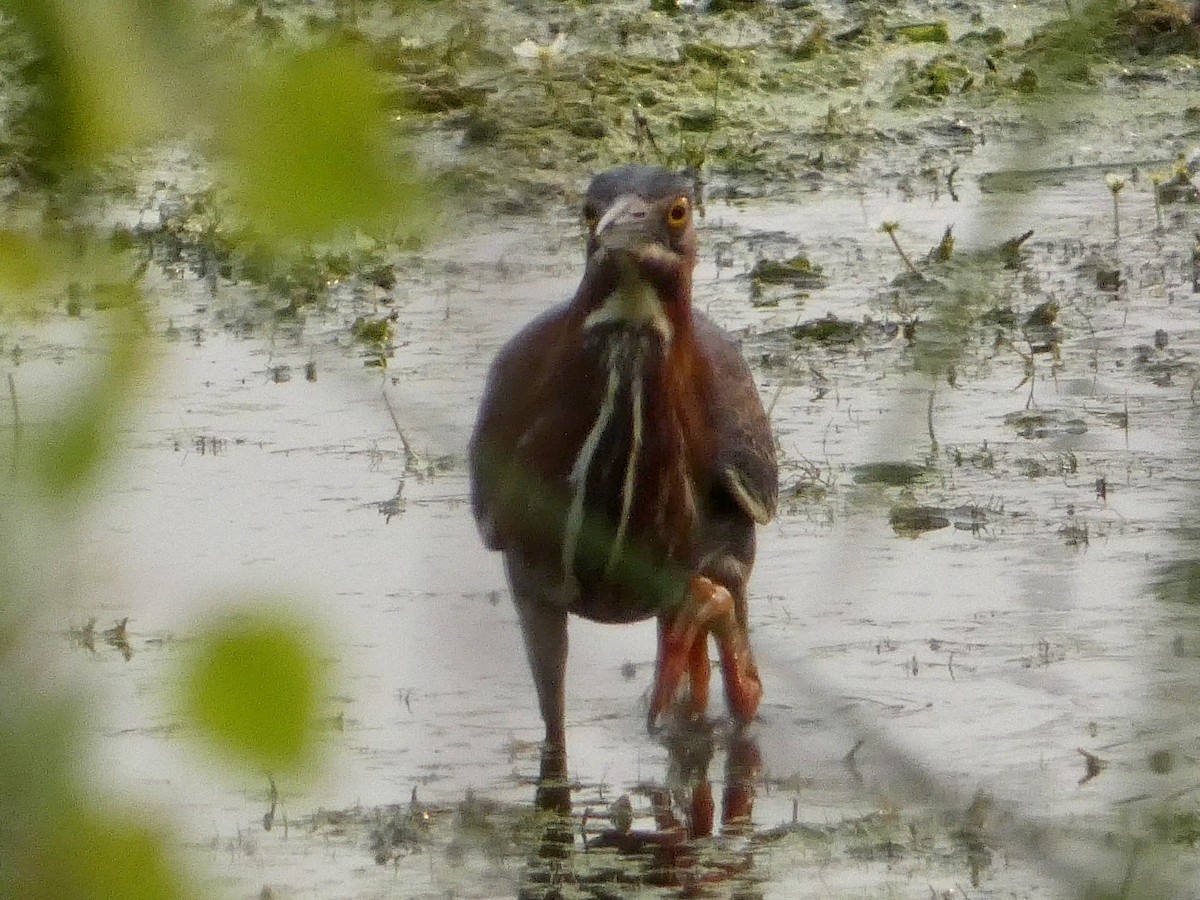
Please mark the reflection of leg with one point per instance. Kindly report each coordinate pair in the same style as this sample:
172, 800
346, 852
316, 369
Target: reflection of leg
690, 750
742, 768
664, 815
702, 809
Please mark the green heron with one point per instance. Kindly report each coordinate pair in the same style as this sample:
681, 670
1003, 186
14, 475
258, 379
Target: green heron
622, 457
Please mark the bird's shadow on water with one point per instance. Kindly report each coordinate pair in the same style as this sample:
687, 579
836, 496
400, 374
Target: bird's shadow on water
679, 846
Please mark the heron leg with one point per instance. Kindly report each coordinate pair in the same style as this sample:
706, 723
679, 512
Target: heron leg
544, 627
708, 609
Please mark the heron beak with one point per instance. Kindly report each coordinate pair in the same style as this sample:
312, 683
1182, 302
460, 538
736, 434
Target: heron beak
627, 225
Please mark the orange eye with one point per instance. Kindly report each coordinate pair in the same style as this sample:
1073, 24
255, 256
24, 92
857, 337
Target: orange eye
678, 212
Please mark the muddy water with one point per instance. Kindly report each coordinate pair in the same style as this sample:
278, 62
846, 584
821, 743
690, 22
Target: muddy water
988, 653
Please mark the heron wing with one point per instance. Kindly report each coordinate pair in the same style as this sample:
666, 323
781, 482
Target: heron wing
745, 448
506, 413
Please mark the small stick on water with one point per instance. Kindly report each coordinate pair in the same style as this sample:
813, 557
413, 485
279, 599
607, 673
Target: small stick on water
1115, 184
933, 444
889, 228
12, 393
782, 384
851, 763
1155, 182
1127, 419
1196, 265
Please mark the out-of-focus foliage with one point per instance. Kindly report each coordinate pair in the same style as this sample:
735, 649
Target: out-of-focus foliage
55, 843
88, 854
252, 685
299, 135
26, 264
307, 150
304, 152
67, 457
106, 73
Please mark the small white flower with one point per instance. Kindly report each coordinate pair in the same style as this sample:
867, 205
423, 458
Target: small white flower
531, 49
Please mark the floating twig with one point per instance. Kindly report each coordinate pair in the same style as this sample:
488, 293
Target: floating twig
12, 393
889, 228
1115, 185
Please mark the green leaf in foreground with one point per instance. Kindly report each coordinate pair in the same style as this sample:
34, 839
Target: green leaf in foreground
71, 453
106, 71
91, 855
253, 686
307, 149
26, 264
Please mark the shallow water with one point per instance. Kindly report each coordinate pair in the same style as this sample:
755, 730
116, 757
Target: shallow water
988, 656
917, 679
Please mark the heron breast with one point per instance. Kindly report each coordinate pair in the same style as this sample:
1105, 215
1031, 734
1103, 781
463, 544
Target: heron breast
624, 478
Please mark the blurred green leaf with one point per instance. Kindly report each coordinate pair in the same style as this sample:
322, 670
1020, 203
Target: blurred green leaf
73, 449
307, 148
36, 752
105, 72
253, 686
90, 855
26, 263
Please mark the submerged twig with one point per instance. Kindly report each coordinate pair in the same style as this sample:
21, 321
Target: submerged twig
409, 456
273, 797
395, 504
950, 183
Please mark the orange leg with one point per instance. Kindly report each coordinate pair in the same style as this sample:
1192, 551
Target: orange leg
699, 670
743, 687
708, 608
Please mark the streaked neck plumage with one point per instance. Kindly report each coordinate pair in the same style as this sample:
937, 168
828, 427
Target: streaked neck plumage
636, 318
650, 292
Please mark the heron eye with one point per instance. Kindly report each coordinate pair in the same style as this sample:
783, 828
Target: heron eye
678, 212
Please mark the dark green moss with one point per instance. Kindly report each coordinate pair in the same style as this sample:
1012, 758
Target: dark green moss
709, 54
482, 130
923, 33
798, 270
829, 330
892, 474
372, 331
722, 6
